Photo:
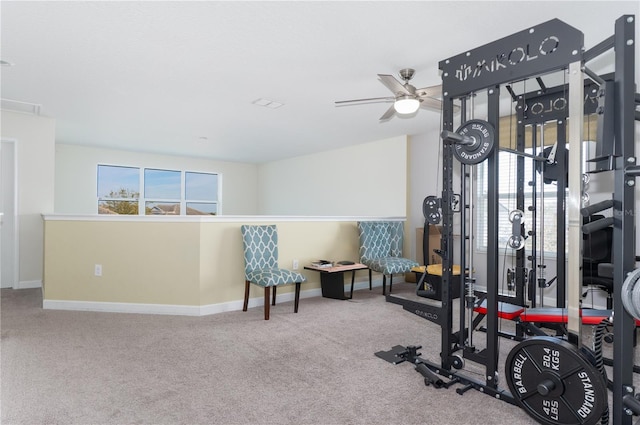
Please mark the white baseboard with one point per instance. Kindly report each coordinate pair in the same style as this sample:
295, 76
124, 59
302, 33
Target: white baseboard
189, 310
178, 310
111, 307
29, 284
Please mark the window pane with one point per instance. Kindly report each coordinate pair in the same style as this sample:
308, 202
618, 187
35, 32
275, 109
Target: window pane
201, 208
161, 184
118, 182
201, 186
162, 208
118, 207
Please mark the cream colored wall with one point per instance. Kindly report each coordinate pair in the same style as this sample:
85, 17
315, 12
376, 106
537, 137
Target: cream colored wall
222, 263
35, 136
369, 179
142, 262
76, 177
186, 262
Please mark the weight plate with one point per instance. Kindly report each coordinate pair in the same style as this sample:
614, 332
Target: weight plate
482, 134
554, 383
635, 299
627, 293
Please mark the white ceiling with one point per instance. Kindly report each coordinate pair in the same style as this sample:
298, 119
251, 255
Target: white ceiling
159, 76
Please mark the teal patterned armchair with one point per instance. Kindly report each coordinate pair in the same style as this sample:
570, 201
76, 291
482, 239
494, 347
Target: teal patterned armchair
381, 250
261, 265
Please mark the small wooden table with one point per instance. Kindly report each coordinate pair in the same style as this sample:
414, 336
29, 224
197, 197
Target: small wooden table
332, 279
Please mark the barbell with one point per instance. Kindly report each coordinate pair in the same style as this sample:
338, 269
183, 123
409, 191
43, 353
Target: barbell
473, 141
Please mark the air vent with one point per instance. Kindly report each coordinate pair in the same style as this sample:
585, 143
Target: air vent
19, 106
267, 103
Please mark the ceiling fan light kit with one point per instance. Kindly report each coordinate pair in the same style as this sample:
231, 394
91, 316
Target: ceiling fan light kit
406, 105
406, 98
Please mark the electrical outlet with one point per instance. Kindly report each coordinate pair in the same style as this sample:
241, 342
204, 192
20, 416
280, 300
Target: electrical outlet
295, 264
98, 270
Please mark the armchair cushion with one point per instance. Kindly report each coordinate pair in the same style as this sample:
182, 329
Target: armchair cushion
274, 277
390, 265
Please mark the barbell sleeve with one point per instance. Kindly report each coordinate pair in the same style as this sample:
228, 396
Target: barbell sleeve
456, 138
597, 207
603, 223
631, 403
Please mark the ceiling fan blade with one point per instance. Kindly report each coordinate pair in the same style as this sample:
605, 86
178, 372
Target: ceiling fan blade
431, 91
365, 101
431, 103
430, 97
394, 85
388, 115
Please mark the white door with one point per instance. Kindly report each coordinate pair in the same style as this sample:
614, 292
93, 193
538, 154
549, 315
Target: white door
8, 215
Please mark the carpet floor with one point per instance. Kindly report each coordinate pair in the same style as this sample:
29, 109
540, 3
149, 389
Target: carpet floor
314, 367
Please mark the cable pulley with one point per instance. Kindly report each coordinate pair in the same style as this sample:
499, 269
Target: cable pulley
431, 209
473, 141
516, 240
515, 215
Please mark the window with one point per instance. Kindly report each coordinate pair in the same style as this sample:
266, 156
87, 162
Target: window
201, 193
162, 190
118, 190
165, 192
545, 199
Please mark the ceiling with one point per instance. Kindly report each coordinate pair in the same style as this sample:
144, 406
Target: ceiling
181, 77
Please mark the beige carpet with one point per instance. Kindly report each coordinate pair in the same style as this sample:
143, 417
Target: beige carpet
314, 367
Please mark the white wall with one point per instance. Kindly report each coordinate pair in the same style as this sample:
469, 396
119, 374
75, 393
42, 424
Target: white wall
76, 174
363, 180
425, 179
35, 136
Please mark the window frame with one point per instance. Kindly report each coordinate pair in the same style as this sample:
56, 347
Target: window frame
142, 199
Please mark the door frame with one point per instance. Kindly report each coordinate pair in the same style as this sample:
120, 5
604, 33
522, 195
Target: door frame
13, 215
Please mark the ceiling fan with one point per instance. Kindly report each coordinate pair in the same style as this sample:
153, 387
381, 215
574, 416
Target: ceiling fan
406, 98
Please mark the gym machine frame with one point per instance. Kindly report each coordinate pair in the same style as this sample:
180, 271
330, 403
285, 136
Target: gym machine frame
548, 47
535, 109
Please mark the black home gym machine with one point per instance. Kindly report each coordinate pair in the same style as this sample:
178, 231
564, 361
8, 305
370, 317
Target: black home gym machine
554, 378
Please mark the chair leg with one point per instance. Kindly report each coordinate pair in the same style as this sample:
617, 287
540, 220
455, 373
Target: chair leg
369, 279
390, 282
384, 284
246, 295
273, 301
267, 293
297, 298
